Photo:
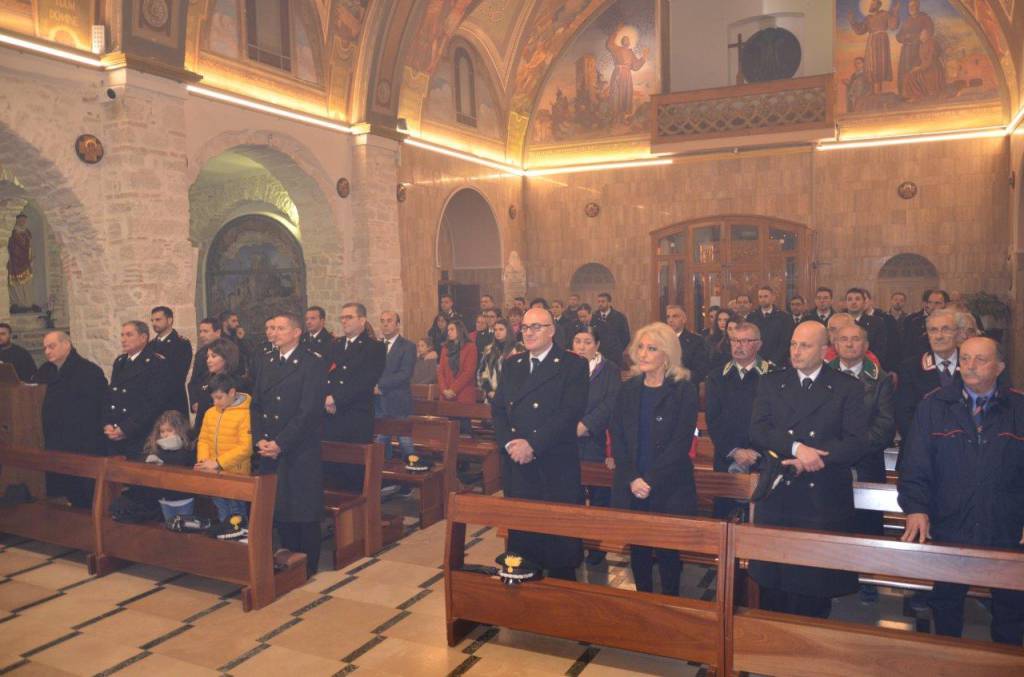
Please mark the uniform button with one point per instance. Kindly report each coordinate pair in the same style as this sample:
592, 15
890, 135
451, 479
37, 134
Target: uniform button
124, 410
789, 432
658, 419
344, 366
113, 407
535, 431
278, 398
812, 485
811, 433
788, 483
276, 417
264, 415
513, 429
536, 404
341, 383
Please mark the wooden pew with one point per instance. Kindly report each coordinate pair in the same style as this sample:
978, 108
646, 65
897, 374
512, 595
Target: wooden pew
21, 426
250, 565
42, 520
656, 624
763, 642
478, 448
424, 399
359, 530
433, 435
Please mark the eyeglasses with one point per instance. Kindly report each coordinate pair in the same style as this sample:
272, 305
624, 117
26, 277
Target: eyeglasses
536, 327
744, 342
947, 331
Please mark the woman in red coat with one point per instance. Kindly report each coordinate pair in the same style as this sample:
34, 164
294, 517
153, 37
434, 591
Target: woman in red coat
456, 373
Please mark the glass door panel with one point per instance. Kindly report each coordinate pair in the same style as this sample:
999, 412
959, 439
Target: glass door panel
707, 245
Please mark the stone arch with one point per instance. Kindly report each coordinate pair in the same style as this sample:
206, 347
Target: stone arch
468, 245
909, 273
278, 177
591, 279
91, 306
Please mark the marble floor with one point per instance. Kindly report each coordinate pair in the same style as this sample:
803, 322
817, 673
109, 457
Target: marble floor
378, 616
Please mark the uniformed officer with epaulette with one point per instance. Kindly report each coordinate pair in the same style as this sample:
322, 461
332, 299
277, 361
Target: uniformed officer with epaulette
316, 337
730, 404
541, 397
962, 480
177, 352
354, 362
813, 417
287, 414
141, 388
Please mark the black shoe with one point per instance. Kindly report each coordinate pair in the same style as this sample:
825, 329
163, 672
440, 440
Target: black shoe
231, 529
595, 557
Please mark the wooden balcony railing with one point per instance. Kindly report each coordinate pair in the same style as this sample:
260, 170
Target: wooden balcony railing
763, 113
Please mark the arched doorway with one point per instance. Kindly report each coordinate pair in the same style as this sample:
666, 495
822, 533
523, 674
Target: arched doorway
255, 268
707, 262
591, 279
469, 251
911, 274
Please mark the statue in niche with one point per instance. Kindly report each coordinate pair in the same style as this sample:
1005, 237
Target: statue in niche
19, 267
877, 23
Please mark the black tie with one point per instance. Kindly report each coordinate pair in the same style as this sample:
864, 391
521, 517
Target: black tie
979, 410
347, 343
945, 378
534, 363
806, 383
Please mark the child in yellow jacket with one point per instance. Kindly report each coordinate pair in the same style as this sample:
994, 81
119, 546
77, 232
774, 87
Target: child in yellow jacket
225, 442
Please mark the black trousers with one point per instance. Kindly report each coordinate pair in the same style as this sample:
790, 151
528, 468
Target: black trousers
947, 604
643, 558
773, 599
78, 490
302, 537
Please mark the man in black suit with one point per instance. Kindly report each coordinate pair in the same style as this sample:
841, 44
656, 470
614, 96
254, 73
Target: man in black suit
393, 391
797, 307
776, 326
895, 320
616, 327
354, 365
15, 355
813, 418
743, 306
540, 399
141, 388
695, 350
924, 372
316, 337
177, 352
209, 331
857, 307
915, 335
730, 405
72, 412
287, 413
823, 310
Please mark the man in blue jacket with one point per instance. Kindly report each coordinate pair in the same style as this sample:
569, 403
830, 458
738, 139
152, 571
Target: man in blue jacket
962, 479
393, 393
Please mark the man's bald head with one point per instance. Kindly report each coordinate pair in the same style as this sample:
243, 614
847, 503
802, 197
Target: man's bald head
807, 347
539, 340
981, 363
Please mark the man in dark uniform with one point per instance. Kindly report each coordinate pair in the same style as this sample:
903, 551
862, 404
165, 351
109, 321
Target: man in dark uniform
857, 301
915, 331
287, 413
72, 412
141, 388
823, 310
922, 373
209, 331
775, 325
895, 323
813, 418
15, 355
541, 397
354, 365
961, 480
797, 307
615, 334
316, 336
177, 352
730, 405
695, 349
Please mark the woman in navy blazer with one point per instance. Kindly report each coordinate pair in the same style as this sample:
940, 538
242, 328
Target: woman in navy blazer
652, 431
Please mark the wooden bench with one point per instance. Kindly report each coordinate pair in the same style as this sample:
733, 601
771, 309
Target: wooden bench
250, 565
675, 627
432, 435
763, 642
476, 447
359, 530
424, 399
43, 520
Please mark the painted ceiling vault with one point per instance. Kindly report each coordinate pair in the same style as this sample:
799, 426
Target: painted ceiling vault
536, 81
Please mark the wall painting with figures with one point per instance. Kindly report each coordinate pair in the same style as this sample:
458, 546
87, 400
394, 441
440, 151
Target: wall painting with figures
601, 85
902, 56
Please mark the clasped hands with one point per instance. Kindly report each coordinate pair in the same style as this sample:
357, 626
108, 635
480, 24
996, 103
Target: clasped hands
268, 448
113, 432
806, 459
520, 451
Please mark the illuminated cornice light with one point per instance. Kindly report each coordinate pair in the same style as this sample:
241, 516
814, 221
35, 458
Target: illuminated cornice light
572, 169
47, 50
989, 132
468, 157
218, 95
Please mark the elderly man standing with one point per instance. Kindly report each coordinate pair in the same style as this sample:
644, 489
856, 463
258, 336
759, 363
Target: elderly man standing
141, 388
695, 350
812, 417
961, 480
72, 412
541, 397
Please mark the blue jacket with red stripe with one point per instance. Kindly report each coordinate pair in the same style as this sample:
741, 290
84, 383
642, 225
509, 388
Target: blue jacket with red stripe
970, 482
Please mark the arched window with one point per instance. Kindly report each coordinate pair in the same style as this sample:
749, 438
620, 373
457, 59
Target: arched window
465, 88
592, 277
268, 36
910, 274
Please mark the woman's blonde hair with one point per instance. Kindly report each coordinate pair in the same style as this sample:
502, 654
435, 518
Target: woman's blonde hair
174, 419
662, 336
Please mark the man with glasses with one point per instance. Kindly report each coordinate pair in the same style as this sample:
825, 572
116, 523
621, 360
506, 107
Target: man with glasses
730, 402
915, 332
354, 365
851, 344
541, 397
924, 372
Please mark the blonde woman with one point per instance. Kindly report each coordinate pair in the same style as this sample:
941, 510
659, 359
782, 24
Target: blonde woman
652, 430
